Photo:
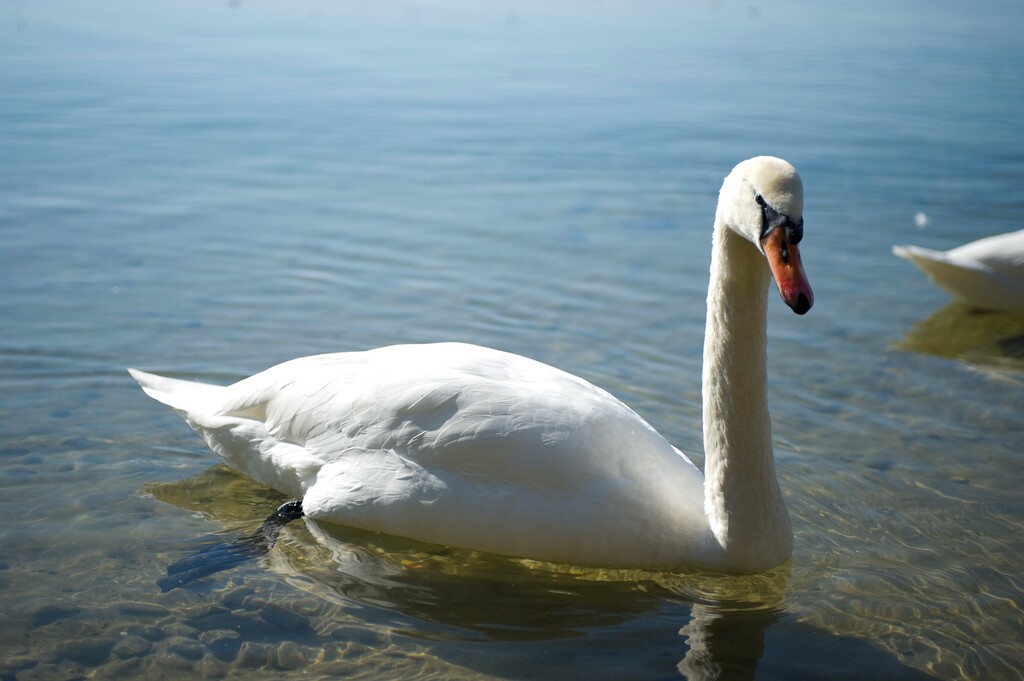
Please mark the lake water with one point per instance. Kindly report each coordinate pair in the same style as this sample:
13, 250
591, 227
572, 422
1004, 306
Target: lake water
209, 188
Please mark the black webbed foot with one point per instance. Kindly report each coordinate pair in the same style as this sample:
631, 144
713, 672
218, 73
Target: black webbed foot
219, 554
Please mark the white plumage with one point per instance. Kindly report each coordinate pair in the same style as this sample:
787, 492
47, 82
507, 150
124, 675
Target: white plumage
463, 445
988, 273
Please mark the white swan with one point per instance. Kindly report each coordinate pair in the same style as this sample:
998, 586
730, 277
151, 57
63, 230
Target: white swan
988, 273
462, 445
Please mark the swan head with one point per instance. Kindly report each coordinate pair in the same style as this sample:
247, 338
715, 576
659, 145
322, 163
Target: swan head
762, 200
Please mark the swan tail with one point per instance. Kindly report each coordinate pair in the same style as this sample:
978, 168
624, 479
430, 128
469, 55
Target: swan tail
186, 397
235, 429
962, 278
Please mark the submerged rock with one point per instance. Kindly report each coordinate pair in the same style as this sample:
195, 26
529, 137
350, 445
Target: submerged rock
172, 662
121, 668
41, 614
253, 655
146, 631
234, 598
290, 656
17, 664
139, 609
88, 651
132, 646
188, 648
278, 617
222, 643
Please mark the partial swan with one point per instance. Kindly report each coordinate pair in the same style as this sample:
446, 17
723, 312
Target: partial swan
988, 273
462, 445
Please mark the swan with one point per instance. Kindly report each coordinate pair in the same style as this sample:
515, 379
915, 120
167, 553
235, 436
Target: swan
466, 446
988, 273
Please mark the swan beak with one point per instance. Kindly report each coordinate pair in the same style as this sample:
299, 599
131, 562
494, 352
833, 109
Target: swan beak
784, 261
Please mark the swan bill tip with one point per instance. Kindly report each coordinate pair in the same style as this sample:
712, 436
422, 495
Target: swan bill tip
802, 305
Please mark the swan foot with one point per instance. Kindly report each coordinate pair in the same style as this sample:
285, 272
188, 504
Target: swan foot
218, 555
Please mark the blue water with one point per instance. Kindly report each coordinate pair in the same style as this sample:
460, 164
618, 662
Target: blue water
207, 189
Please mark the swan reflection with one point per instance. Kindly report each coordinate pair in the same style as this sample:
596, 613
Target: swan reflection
504, 616
986, 339
701, 624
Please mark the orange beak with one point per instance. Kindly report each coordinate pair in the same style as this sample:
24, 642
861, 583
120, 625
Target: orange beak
788, 271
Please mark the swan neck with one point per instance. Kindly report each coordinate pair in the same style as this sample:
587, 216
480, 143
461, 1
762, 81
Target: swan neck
743, 502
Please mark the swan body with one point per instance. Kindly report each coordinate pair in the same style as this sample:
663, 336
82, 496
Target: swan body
463, 445
988, 273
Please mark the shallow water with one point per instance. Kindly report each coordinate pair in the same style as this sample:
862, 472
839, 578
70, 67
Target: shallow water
207, 189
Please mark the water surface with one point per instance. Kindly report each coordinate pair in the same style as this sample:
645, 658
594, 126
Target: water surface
207, 189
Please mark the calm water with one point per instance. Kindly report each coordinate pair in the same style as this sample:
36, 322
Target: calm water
209, 188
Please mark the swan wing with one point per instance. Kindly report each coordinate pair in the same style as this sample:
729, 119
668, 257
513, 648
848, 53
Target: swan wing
1002, 253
